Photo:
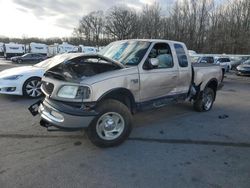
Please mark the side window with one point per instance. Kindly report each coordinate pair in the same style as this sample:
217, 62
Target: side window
162, 52
181, 55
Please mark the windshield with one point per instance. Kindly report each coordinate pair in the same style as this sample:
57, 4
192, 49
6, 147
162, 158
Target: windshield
25, 55
126, 52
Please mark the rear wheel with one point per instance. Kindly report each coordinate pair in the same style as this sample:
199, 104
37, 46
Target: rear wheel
205, 100
223, 75
32, 87
112, 125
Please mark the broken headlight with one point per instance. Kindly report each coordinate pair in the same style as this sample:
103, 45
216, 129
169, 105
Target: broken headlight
74, 92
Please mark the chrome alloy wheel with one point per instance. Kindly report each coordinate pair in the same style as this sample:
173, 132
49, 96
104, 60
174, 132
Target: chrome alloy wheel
207, 100
110, 126
33, 88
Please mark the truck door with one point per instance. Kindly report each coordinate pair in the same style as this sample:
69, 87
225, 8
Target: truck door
160, 81
185, 72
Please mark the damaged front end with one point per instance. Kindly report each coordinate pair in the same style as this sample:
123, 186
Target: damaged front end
65, 105
64, 116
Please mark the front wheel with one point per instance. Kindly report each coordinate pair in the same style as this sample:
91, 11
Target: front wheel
32, 88
19, 61
112, 125
205, 100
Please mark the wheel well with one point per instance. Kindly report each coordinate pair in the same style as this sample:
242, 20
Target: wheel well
122, 95
213, 85
32, 78
29, 79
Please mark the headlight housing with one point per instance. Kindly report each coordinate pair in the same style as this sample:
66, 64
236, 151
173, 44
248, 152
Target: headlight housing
74, 92
14, 77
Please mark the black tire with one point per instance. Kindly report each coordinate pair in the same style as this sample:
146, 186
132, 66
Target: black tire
200, 103
19, 61
38, 92
223, 75
110, 106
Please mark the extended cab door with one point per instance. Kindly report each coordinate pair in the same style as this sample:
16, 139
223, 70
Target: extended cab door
160, 81
185, 69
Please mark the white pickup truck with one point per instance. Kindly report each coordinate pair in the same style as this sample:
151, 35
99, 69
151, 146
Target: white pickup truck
101, 92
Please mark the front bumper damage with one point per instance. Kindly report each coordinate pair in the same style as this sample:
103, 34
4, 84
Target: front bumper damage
59, 115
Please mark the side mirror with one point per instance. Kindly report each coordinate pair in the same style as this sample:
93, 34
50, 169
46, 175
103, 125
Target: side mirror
154, 62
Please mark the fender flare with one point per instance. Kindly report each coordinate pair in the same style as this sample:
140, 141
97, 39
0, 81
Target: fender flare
118, 93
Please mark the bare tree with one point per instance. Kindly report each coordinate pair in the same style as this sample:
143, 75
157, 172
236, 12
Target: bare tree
204, 25
121, 22
151, 21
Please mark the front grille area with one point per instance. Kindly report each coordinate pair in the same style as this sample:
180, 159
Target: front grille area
47, 87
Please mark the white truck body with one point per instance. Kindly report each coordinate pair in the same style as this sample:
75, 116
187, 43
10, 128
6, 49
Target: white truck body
87, 49
52, 50
38, 48
66, 48
13, 49
61, 48
1, 49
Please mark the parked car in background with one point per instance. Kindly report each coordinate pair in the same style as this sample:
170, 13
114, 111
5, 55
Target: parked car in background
211, 60
224, 62
243, 69
194, 58
238, 61
26, 80
100, 92
29, 58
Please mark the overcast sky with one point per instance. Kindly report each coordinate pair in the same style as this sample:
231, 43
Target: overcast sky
54, 18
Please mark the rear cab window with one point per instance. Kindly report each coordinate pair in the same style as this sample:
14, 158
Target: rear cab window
181, 55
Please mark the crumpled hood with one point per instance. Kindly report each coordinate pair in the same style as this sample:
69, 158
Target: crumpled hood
65, 57
19, 71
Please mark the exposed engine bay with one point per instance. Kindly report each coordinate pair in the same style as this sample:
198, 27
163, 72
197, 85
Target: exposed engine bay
77, 69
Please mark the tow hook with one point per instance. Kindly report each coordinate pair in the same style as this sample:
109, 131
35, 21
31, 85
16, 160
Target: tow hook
44, 124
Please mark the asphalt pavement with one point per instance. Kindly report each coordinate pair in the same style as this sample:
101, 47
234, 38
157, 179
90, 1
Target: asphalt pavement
170, 147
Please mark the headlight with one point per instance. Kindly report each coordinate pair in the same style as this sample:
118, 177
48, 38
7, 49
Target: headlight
14, 77
239, 68
74, 92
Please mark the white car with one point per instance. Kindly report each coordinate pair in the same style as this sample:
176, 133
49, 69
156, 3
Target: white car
26, 80
224, 61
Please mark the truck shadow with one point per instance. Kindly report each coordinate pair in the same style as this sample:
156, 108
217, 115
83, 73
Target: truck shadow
161, 114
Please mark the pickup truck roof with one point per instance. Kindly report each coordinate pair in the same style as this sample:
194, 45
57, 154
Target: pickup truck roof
156, 40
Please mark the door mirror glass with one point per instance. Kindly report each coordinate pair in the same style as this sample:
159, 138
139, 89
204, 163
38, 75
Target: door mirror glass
154, 62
